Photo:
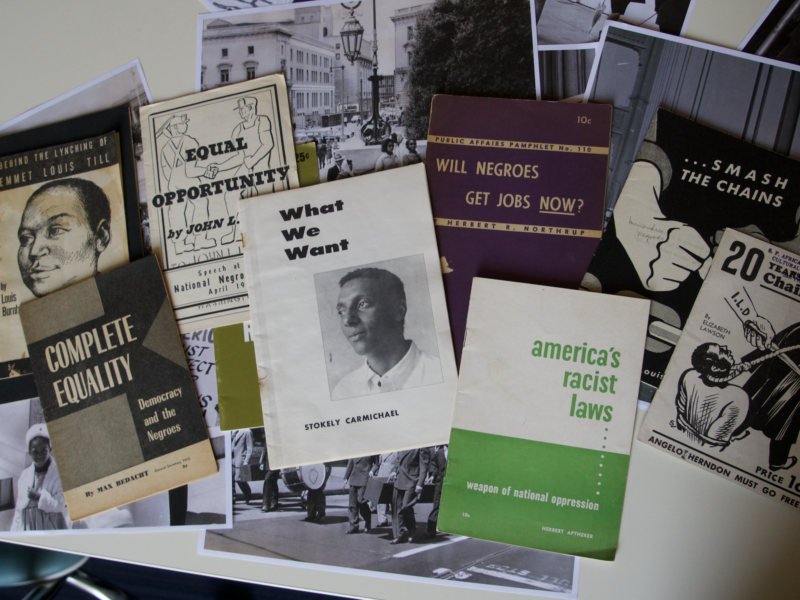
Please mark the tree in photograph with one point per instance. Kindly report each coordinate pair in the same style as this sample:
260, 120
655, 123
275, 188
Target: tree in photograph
472, 48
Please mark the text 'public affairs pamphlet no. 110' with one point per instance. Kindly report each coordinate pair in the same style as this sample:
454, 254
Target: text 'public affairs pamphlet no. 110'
118, 399
544, 418
202, 153
730, 399
349, 319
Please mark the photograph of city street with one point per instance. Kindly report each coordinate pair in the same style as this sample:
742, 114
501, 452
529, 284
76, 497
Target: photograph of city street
341, 514
361, 75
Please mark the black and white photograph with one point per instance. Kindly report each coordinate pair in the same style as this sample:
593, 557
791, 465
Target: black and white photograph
777, 34
563, 74
361, 75
749, 97
579, 22
375, 514
377, 328
29, 477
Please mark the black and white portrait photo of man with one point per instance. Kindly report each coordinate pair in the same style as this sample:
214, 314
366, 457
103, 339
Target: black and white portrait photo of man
381, 353
65, 227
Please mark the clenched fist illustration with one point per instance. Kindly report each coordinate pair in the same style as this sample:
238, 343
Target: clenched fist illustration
663, 252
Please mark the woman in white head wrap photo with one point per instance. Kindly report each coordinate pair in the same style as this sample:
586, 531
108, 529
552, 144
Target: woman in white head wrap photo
40, 500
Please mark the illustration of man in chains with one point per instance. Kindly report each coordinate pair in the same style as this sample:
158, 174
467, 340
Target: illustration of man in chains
714, 412
256, 132
183, 174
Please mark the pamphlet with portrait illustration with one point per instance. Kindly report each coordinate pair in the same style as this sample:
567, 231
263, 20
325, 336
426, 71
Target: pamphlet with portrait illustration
118, 399
202, 153
62, 220
544, 418
730, 399
349, 322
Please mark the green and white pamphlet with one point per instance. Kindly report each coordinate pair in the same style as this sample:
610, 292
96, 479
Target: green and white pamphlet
544, 418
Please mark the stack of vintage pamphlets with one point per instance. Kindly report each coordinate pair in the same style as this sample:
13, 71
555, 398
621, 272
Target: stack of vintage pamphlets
410, 333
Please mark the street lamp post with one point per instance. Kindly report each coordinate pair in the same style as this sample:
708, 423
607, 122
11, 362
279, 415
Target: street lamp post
352, 35
343, 100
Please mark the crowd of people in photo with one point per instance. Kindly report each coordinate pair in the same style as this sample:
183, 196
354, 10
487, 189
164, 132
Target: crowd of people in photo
406, 471
328, 154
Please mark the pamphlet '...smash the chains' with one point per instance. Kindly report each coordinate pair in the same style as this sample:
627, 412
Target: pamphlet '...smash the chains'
730, 399
349, 321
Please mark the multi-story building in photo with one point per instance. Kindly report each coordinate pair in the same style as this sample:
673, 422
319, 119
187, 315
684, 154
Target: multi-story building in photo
238, 52
323, 84
353, 87
405, 28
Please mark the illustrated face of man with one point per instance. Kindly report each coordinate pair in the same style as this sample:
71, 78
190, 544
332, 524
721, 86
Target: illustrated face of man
56, 245
39, 449
179, 128
245, 111
725, 359
369, 319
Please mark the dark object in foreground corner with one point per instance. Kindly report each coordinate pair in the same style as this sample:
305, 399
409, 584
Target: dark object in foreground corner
159, 584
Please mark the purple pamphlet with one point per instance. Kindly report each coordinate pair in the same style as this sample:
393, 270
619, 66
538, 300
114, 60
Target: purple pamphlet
517, 188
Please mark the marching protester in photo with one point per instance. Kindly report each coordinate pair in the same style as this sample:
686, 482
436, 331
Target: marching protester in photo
437, 470
40, 500
358, 472
408, 477
270, 495
242, 451
316, 503
388, 462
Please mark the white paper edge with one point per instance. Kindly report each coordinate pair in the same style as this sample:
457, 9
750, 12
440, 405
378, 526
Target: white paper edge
642, 405
678, 40
77, 90
688, 18
579, 98
761, 19
581, 46
381, 575
536, 78
20, 536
